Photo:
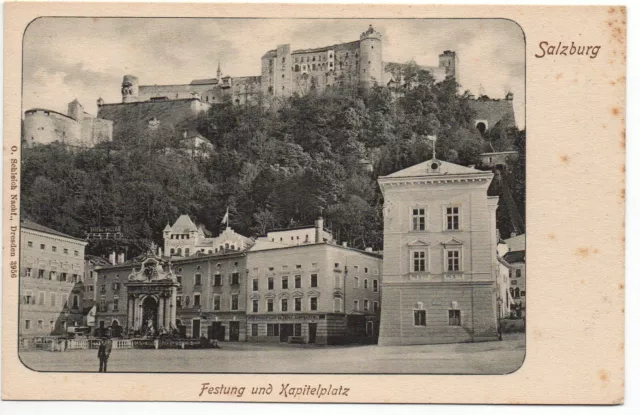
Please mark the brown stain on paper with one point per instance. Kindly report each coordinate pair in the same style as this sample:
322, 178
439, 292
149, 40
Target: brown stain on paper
604, 376
552, 236
615, 111
558, 76
564, 159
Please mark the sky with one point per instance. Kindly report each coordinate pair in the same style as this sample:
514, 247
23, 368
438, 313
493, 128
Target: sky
86, 58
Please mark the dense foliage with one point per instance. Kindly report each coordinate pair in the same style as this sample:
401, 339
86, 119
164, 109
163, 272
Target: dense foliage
273, 167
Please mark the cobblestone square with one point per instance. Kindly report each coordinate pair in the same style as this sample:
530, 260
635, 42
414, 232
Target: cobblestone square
499, 357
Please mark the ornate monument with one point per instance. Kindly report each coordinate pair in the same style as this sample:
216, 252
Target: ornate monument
151, 296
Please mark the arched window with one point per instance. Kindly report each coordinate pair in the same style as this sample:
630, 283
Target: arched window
297, 68
186, 252
179, 251
173, 251
482, 127
226, 246
233, 247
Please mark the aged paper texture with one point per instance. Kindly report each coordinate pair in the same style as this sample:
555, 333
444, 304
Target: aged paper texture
279, 203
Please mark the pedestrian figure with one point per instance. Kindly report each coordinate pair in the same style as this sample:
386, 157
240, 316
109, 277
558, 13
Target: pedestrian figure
104, 350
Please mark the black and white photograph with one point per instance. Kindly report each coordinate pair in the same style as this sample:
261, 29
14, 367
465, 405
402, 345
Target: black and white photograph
261, 195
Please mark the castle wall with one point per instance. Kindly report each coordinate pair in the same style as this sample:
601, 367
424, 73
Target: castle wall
493, 111
44, 127
245, 89
185, 91
135, 116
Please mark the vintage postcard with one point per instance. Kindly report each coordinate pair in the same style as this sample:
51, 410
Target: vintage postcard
283, 203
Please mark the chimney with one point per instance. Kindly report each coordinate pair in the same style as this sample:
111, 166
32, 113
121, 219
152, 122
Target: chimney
344, 244
319, 229
368, 249
112, 258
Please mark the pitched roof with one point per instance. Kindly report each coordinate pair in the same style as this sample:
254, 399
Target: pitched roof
184, 224
26, 223
516, 243
445, 168
514, 256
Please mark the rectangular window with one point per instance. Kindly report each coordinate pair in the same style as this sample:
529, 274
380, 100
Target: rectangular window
313, 303
420, 318
419, 261
63, 276
418, 219
235, 278
75, 253
453, 260
65, 251
103, 304
375, 306
27, 324
514, 282
198, 279
254, 330
54, 249
52, 325
366, 284
375, 286
297, 330
40, 325
270, 283
255, 306
42, 246
314, 280
196, 300
53, 276
41, 298
216, 302
255, 284
179, 279
285, 283
41, 274
115, 303
270, 330
337, 304
52, 299
454, 318
453, 218
76, 301
356, 306
298, 304
269, 305
27, 272
217, 280
298, 281
518, 273
356, 282
179, 301
521, 293
234, 301
284, 304
365, 305
28, 297
30, 244
366, 270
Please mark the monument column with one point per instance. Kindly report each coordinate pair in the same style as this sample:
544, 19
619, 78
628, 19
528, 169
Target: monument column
174, 307
160, 312
130, 311
167, 311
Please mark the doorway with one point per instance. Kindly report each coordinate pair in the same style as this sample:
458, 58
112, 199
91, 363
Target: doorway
234, 331
313, 327
195, 333
286, 330
216, 331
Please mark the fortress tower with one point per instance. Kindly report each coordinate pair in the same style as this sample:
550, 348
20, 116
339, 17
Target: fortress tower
448, 60
371, 57
130, 87
75, 110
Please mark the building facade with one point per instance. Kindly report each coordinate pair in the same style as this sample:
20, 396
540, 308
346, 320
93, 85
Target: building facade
76, 128
185, 238
51, 271
517, 279
440, 260
200, 295
315, 292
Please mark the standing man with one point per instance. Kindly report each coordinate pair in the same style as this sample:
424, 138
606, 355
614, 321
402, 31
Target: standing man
104, 350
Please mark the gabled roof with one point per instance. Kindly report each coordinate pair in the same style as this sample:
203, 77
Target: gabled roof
445, 168
27, 224
514, 256
184, 224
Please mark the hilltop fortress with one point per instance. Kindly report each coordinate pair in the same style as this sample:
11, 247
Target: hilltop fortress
284, 72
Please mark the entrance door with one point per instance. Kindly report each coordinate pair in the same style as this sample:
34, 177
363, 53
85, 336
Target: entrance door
216, 331
149, 314
286, 330
234, 331
195, 334
101, 329
313, 327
